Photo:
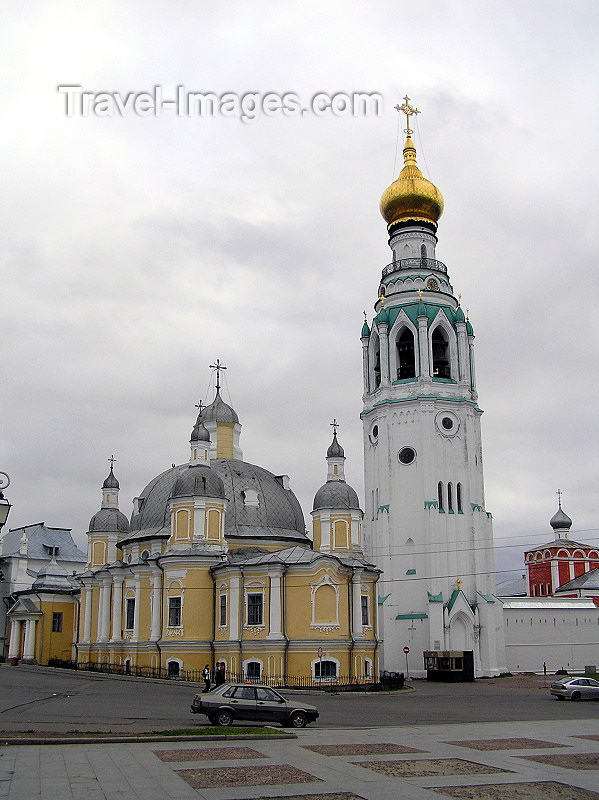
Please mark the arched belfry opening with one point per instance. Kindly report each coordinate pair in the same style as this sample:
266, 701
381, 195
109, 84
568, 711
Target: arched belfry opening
376, 364
406, 363
440, 346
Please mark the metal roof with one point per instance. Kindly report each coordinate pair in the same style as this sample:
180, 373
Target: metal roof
39, 539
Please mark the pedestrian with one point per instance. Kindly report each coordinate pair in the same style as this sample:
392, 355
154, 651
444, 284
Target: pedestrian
222, 672
206, 677
218, 678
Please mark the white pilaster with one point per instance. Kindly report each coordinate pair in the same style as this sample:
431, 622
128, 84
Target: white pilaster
87, 614
135, 636
275, 605
155, 631
356, 588
117, 607
15, 638
234, 608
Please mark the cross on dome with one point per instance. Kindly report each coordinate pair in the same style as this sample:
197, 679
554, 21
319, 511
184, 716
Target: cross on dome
334, 426
408, 110
218, 367
112, 459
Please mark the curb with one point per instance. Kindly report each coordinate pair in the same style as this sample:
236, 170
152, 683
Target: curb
141, 739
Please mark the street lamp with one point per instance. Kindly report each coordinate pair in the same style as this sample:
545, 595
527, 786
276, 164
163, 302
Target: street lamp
5, 506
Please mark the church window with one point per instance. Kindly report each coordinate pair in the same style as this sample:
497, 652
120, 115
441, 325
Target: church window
458, 496
335, 469
145, 555
406, 455
130, 614
173, 669
57, 622
450, 498
441, 368
223, 610
252, 670
325, 669
341, 534
174, 612
406, 365
250, 497
255, 609
377, 364
423, 251
365, 615
440, 495
213, 524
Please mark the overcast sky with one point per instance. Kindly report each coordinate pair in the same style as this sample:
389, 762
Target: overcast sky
138, 249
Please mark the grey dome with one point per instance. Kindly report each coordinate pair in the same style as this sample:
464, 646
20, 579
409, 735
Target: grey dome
199, 432
109, 519
335, 450
110, 482
219, 411
336, 494
276, 513
198, 481
560, 521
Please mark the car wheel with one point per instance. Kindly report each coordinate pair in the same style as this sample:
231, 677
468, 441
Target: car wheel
224, 718
298, 719
575, 696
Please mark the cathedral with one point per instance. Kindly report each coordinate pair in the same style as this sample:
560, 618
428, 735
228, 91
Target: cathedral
215, 563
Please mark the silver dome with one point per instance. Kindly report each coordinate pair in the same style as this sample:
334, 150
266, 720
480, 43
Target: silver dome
219, 411
336, 494
258, 505
198, 481
109, 519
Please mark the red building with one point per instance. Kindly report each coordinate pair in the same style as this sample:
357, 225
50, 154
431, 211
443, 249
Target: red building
554, 565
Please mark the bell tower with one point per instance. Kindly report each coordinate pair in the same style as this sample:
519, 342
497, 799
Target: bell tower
425, 524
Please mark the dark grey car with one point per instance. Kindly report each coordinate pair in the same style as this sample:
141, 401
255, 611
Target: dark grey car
253, 703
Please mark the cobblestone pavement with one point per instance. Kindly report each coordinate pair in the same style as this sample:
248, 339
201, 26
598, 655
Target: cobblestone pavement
473, 760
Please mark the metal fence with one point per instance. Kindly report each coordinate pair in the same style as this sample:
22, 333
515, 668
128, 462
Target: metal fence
341, 683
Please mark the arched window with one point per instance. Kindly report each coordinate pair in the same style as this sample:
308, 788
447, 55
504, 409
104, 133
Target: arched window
441, 368
406, 366
423, 251
173, 669
377, 364
450, 498
440, 495
458, 494
325, 669
252, 670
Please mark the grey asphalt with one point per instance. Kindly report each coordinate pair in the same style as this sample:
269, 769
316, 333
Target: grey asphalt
100, 771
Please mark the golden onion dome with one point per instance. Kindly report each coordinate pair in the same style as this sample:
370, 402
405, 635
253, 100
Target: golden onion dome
411, 196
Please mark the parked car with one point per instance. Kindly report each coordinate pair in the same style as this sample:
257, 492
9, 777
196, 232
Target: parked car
575, 689
253, 702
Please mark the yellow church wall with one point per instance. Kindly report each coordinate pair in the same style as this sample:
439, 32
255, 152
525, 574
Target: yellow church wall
145, 613
316, 533
99, 551
224, 442
197, 605
57, 644
302, 589
95, 600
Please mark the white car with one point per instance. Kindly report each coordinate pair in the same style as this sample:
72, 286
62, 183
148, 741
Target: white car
576, 689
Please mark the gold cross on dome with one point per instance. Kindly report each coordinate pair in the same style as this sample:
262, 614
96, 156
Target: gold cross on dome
420, 293
459, 582
408, 110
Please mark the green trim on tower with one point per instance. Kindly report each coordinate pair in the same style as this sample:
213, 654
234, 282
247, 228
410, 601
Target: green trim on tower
435, 598
412, 615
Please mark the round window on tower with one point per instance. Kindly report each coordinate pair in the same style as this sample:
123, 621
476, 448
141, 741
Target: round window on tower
407, 455
374, 433
447, 423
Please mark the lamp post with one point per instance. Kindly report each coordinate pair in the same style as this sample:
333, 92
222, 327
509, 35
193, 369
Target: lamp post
5, 506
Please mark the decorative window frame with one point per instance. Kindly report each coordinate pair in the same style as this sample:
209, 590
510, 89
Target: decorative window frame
367, 626
170, 626
402, 322
324, 627
373, 345
442, 322
326, 678
253, 660
130, 595
255, 587
223, 591
173, 660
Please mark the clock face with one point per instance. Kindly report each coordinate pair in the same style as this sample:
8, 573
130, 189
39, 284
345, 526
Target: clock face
432, 284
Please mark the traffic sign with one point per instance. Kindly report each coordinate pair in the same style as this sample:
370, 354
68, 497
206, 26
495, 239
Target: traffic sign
406, 650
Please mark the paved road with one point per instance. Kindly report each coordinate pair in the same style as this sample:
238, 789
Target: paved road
44, 699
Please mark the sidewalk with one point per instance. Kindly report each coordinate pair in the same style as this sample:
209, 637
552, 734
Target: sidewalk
538, 759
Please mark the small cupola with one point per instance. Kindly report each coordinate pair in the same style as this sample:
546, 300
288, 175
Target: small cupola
560, 522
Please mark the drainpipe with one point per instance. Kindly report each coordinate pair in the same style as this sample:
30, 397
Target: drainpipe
213, 622
161, 615
350, 606
240, 614
284, 614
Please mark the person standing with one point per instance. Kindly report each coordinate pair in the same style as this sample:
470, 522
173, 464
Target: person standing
222, 672
206, 677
